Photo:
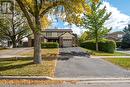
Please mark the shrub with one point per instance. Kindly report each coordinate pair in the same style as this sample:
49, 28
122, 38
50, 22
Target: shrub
126, 38
49, 45
88, 44
105, 46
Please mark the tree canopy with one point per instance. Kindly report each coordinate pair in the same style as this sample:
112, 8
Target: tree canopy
68, 10
85, 36
37, 14
13, 28
126, 38
94, 22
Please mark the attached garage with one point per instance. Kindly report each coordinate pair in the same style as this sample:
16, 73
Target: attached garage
67, 43
67, 40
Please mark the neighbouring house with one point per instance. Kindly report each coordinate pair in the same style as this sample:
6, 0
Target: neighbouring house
3, 43
65, 37
8, 43
116, 36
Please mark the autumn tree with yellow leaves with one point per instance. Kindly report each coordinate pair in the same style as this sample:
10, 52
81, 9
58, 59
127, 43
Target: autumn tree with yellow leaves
36, 12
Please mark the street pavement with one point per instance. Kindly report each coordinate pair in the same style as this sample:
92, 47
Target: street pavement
81, 84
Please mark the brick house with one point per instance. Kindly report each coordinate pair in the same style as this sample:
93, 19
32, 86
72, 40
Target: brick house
65, 37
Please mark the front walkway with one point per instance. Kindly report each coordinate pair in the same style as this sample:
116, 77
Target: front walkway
124, 51
84, 67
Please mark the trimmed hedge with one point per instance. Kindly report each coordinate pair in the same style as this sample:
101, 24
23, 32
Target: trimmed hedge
105, 46
49, 45
89, 45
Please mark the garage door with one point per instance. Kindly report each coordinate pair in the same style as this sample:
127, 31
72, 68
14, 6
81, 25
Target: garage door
67, 43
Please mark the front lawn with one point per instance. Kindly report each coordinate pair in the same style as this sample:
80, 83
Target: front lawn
99, 53
123, 62
26, 67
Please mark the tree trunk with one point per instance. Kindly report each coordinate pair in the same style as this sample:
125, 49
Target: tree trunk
37, 48
33, 26
14, 44
97, 46
97, 43
37, 41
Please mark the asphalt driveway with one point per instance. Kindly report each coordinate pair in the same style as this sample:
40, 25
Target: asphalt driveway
83, 66
72, 51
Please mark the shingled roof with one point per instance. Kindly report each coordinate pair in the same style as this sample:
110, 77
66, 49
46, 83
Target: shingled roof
58, 30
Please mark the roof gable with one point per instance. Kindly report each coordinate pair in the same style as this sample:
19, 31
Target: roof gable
67, 34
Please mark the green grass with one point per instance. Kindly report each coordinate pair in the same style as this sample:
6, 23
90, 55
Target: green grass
123, 62
99, 53
25, 67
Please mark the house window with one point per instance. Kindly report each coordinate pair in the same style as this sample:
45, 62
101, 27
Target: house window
54, 34
49, 34
120, 35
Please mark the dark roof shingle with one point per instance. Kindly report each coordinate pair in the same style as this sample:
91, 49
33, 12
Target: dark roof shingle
57, 30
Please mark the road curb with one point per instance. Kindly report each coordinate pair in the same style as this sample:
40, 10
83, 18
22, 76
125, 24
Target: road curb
26, 77
93, 79
65, 79
96, 80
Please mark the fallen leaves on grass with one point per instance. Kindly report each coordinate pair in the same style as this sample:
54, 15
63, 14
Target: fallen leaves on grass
45, 53
27, 68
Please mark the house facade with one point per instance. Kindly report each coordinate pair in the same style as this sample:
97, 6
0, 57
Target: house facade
116, 36
65, 37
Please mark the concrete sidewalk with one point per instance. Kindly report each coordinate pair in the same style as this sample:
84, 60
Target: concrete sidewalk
13, 56
109, 56
14, 53
124, 51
